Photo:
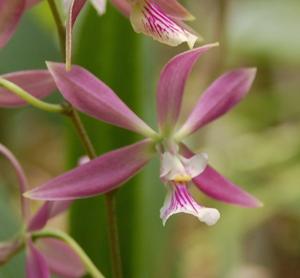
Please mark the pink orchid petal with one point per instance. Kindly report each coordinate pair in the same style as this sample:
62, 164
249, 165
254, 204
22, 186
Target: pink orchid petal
46, 212
99, 5
36, 265
7, 249
98, 176
171, 85
123, 6
61, 259
218, 187
75, 7
174, 9
38, 83
221, 96
21, 178
92, 96
11, 12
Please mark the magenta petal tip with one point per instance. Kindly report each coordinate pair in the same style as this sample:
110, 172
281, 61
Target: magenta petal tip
218, 187
98, 176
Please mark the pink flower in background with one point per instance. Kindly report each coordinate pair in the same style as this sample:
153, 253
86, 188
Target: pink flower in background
163, 20
180, 168
43, 255
160, 19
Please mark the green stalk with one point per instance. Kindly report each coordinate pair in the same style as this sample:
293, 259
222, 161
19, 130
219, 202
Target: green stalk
90, 150
89, 265
15, 89
61, 31
110, 202
108, 47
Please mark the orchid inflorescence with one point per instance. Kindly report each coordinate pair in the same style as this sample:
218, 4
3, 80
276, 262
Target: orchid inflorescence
180, 167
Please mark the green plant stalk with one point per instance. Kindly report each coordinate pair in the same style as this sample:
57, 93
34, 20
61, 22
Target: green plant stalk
99, 51
61, 31
81, 131
87, 144
113, 235
89, 265
15, 89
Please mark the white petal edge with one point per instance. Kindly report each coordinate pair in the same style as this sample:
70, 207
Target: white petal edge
196, 164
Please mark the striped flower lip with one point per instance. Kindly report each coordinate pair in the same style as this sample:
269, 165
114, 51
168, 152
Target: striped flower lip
177, 172
179, 200
148, 18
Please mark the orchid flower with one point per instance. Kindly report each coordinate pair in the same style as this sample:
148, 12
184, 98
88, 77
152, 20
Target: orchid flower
180, 168
160, 19
43, 255
163, 20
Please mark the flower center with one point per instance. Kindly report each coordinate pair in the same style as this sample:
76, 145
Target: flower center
182, 178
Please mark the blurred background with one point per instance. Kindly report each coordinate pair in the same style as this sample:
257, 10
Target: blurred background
256, 145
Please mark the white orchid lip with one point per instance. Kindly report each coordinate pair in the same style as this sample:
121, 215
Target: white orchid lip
179, 200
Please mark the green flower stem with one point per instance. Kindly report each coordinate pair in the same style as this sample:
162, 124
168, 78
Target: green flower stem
109, 199
15, 89
90, 150
61, 31
116, 261
20, 247
82, 133
91, 268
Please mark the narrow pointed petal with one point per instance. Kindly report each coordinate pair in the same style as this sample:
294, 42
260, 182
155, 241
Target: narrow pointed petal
61, 259
38, 83
75, 7
46, 212
98, 176
179, 200
174, 9
172, 83
7, 249
99, 5
92, 96
148, 18
21, 178
123, 6
11, 12
36, 265
220, 97
218, 187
